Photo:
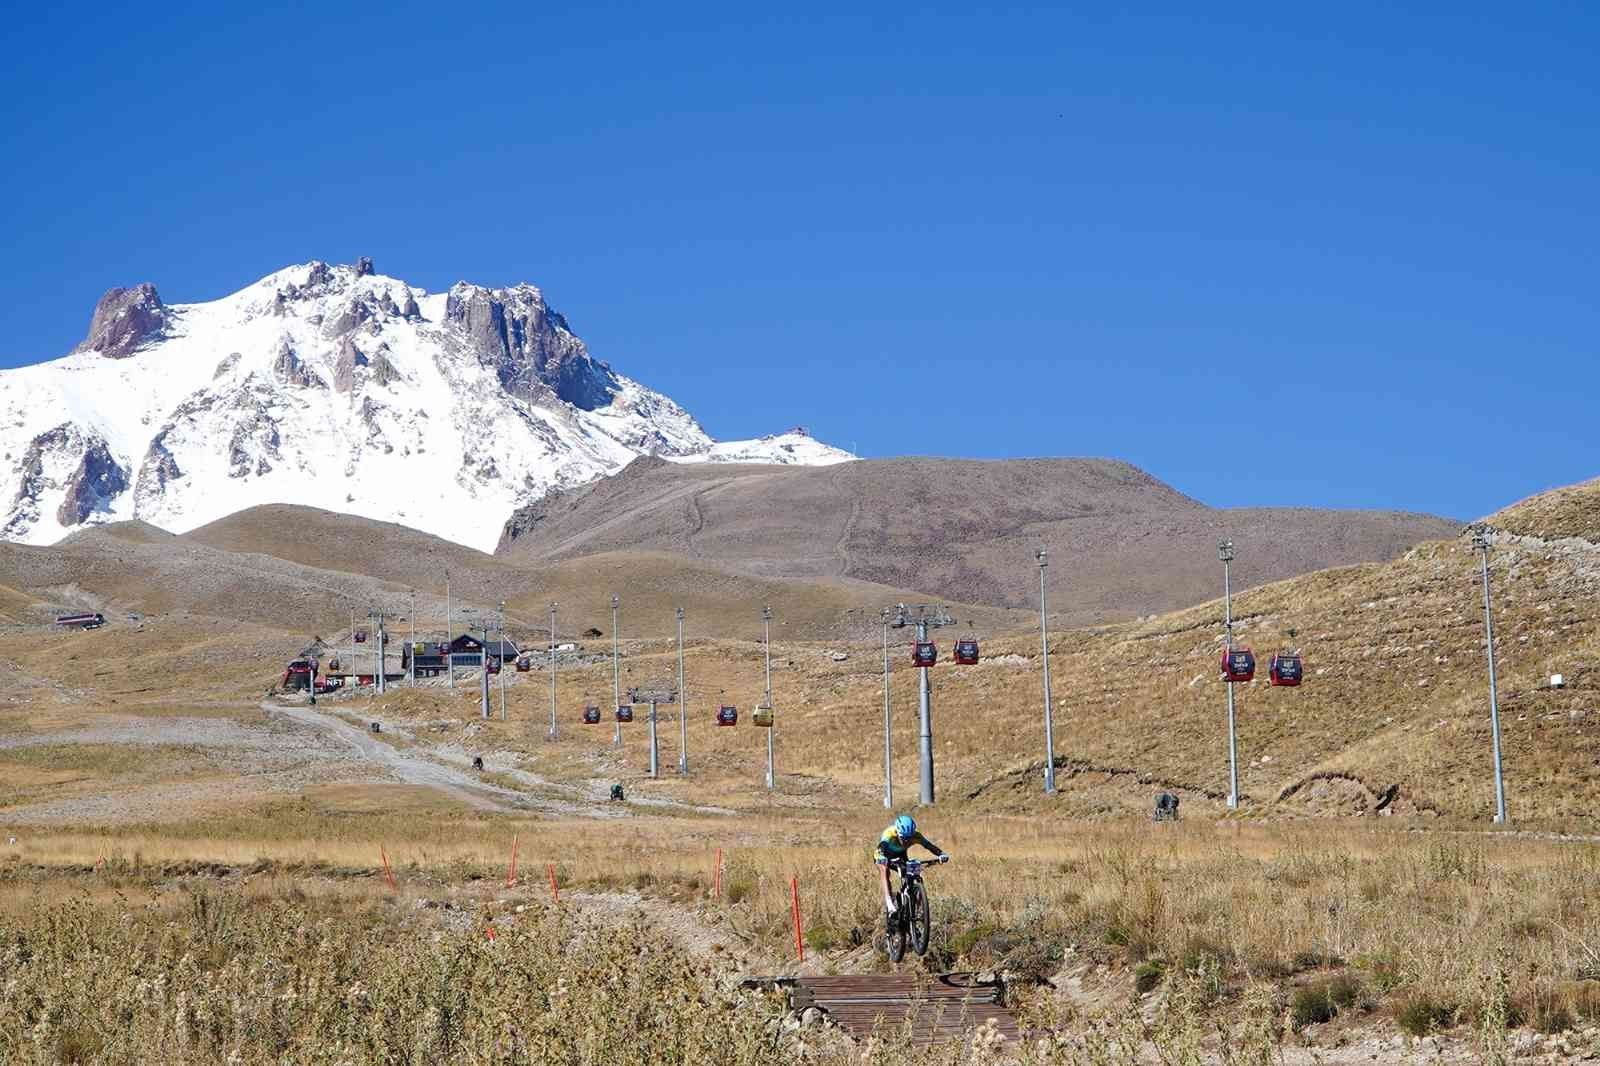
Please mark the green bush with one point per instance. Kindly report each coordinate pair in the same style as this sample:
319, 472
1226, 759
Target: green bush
1420, 1014
1312, 1005
1148, 974
1345, 990
821, 938
964, 942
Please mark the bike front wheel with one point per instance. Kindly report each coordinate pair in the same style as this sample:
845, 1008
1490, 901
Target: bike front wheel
894, 940
917, 917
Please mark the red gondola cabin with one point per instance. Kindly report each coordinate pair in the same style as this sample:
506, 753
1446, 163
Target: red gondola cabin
727, 716
1238, 664
624, 713
1285, 669
524, 664
924, 653
967, 652
591, 716
492, 666
300, 674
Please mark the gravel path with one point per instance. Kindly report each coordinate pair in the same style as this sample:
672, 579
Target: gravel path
417, 769
289, 748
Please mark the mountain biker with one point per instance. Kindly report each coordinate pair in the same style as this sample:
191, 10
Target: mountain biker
892, 849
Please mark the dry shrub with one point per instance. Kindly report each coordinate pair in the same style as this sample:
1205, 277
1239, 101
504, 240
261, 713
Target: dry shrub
1421, 1013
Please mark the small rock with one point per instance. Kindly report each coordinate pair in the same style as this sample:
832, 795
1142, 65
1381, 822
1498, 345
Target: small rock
811, 1017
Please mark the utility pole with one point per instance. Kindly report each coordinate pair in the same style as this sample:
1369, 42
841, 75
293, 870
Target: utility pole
1480, 542
449, 632
1044, 655
923, 622
483, 669
683, 722
380, 680
888, 756
553, 606
616, 681
411, 650
354, 673
501, 635
653, 695
1225, 553
766, 645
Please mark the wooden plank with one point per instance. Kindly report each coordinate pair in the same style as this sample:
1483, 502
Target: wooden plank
930, 1009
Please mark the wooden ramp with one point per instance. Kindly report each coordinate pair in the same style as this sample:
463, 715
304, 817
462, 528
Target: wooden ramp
938, 1007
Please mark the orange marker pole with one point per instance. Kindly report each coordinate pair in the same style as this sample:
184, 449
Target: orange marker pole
387, 873
555, 893
794, 896
511, 874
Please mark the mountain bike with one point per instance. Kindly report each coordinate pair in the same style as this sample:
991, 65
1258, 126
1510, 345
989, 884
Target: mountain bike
910, 919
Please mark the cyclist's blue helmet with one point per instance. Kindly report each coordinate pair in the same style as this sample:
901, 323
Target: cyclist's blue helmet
904, 827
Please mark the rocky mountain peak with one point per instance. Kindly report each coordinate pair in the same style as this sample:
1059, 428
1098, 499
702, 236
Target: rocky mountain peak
442, 411
125, 319
532, 349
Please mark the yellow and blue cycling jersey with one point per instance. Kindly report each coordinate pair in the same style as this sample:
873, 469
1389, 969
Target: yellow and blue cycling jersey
892, 849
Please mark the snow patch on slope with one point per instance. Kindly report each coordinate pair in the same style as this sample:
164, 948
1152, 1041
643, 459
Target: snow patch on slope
794, 448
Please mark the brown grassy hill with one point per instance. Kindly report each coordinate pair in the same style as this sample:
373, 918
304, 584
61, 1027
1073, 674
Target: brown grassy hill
722, 602
1395, 696
963, 529
133, 531
258, 567
103, 569
718, 603
1571, 511
16, 606
382, 550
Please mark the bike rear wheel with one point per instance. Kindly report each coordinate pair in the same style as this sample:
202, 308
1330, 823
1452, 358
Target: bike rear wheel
917, 917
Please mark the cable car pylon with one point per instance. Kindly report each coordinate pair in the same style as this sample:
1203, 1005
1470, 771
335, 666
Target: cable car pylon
924, 654
1225, 553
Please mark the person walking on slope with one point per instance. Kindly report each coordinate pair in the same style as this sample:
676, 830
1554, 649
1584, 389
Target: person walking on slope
892, 849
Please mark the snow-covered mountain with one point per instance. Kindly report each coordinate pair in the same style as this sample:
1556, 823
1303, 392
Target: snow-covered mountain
335, 387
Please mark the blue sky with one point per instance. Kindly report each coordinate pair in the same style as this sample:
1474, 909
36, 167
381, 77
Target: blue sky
1337, 258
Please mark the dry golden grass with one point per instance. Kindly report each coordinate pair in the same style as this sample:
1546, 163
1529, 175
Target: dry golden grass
1223, 916
1571, 511
15, 606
